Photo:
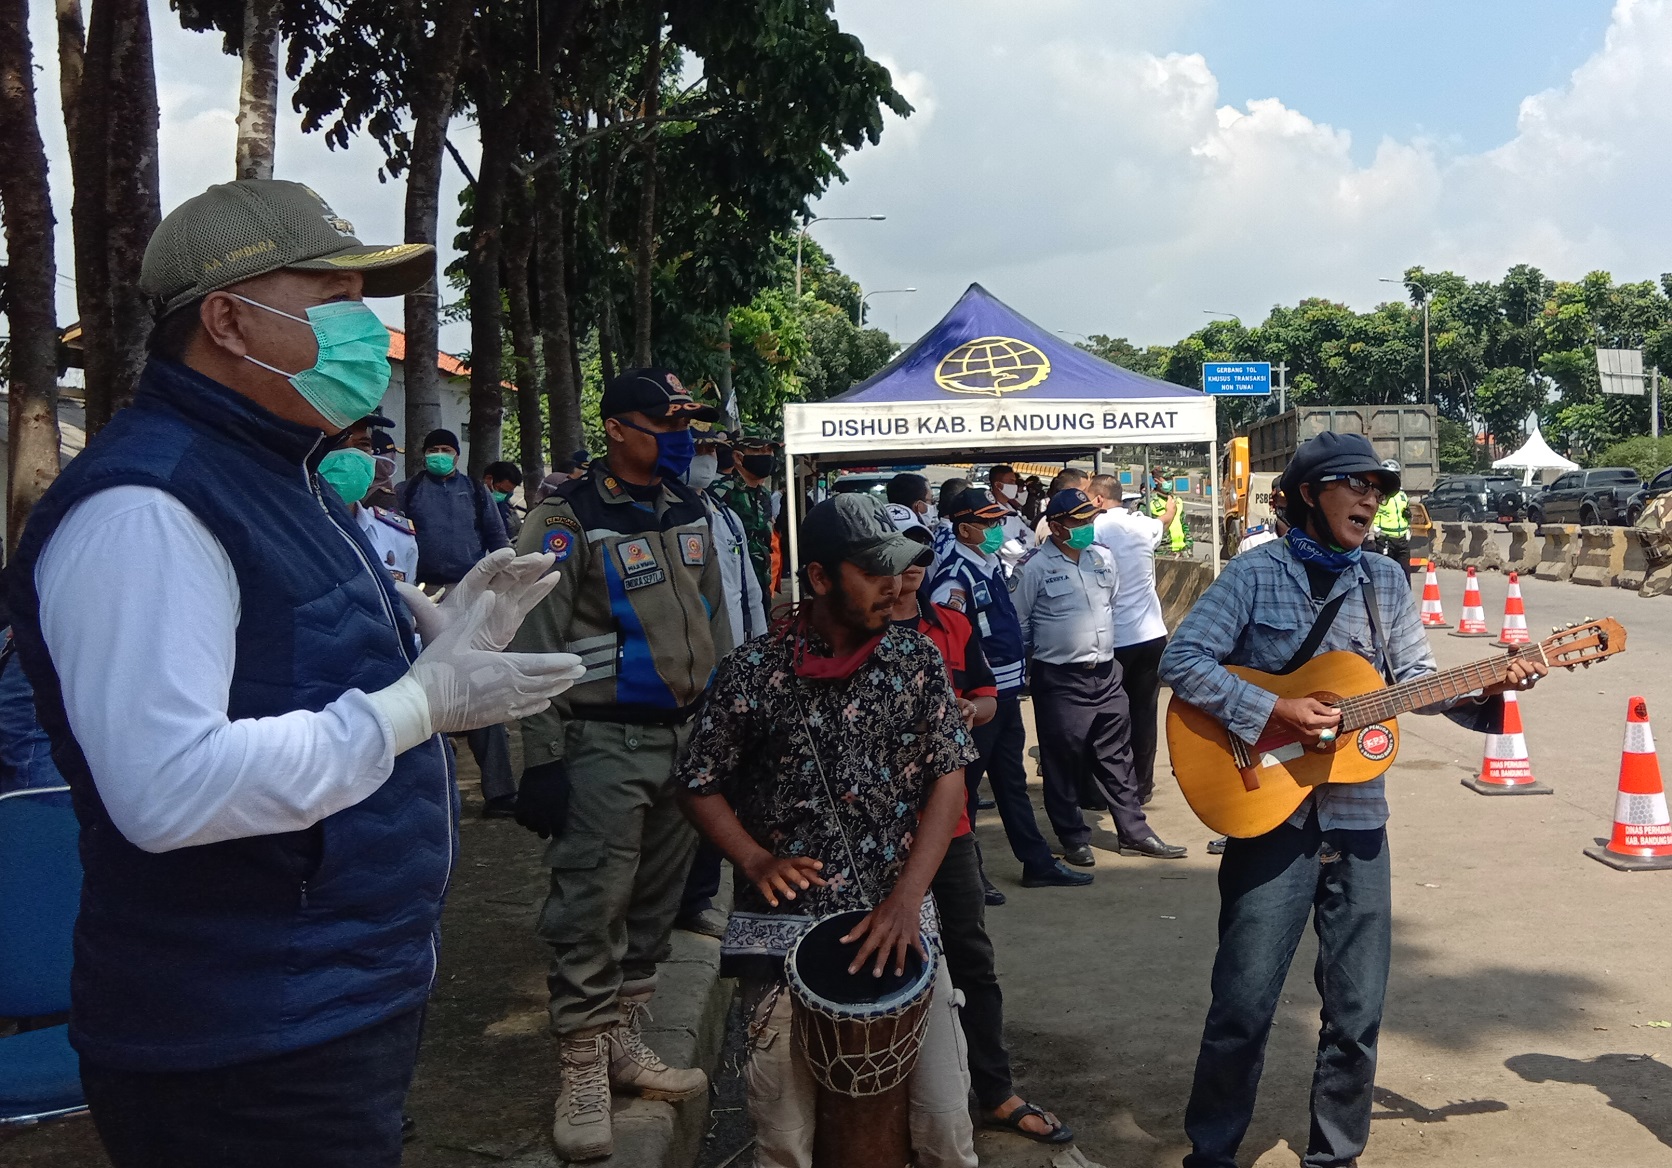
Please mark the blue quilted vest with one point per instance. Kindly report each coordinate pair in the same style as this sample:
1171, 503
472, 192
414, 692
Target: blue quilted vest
992, 611
224, 953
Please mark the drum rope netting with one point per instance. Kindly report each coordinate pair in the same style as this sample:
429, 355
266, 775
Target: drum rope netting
860, 1056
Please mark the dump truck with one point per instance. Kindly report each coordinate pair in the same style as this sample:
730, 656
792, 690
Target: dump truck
1407, 433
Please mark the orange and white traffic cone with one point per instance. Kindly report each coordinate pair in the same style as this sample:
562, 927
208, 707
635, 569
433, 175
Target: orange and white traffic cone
1505, 769
1433, 616
1642, 839
1515, 616
1473, 621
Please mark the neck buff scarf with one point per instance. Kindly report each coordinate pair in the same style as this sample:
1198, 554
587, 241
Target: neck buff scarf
817, 667
1309, 551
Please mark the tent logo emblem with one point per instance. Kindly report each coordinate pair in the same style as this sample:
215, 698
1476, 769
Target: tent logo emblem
992, 365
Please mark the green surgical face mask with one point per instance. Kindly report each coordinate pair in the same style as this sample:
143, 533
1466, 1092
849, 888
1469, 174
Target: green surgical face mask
992, 539
349, 376
1082, 537
500, 496
350, 473
440, 464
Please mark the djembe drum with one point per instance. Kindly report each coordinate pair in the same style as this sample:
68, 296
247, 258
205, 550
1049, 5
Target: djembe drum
861, 1036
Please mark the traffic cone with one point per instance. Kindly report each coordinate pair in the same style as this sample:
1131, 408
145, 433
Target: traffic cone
1642, 839
1433, 617
1473, 621
1505, 769
1515, 616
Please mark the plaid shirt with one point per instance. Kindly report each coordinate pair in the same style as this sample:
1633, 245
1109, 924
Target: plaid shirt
1258, 614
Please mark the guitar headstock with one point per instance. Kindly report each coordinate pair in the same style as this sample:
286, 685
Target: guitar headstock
1583, 642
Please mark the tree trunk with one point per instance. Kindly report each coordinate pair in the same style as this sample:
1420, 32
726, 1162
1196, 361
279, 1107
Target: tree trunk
498, 125
563, 395
525, 338
258, 90
116, 202
26, 204
644, 281
72, 51
432, 107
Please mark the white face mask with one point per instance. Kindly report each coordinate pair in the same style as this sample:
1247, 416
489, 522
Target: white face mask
1008, 490
1021, 498
705, 468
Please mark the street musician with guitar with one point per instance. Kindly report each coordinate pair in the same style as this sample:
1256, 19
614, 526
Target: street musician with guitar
1274, 608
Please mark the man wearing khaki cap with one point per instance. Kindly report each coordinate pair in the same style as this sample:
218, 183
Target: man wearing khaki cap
252, 738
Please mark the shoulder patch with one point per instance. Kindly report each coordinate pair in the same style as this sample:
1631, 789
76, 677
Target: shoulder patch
560, 542
693, 549
399, 522
562, 520
1031, 553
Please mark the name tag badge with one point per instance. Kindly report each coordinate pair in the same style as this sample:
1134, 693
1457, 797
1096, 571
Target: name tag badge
1057, 585
981, 623
639, 568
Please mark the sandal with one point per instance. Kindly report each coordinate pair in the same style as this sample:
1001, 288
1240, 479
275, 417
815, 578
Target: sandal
1060, 1132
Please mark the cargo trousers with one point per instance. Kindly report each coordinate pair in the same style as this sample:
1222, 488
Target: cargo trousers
617, 869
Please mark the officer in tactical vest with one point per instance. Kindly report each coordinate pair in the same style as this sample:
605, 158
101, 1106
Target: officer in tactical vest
641, 602
1176, 540
1393, 523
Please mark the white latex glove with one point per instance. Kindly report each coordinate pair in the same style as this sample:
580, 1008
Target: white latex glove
463, 680
500, 571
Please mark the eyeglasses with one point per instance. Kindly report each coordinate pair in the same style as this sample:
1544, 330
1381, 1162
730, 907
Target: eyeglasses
1357, 484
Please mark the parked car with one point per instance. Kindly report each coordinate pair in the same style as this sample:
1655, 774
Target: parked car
1660, 485
1475, 498
1587, 497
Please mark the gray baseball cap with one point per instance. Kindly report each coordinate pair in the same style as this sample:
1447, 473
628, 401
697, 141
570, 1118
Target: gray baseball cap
239, 230
857, 528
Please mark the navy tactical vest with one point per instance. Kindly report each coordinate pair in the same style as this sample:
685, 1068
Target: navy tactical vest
223, 953
992, 611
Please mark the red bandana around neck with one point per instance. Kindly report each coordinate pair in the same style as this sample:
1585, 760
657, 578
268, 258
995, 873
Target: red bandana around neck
817, 667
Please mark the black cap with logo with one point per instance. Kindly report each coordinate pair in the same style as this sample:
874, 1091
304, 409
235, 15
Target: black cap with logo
655, 393
857, 528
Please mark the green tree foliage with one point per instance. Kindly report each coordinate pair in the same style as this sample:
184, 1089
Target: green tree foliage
1648, 456
1458, 451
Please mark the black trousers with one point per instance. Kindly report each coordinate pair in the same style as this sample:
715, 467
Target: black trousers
703, 884
1140, 667
969, 959
336, 1105
1085, 732
1003, 743
491, 747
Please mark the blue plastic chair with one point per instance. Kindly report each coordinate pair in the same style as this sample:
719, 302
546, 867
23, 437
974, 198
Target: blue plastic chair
40, 893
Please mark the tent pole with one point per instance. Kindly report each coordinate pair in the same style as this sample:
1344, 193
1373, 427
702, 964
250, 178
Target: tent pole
1213, 502
792, 498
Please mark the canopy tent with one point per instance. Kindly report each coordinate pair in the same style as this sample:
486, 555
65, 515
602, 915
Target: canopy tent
988, 385
1535, 455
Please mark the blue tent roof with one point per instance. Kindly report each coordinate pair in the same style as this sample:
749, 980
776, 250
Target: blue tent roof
984, 347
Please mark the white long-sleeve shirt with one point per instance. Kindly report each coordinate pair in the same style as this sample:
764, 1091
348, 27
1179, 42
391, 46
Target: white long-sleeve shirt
744, 603
139, 610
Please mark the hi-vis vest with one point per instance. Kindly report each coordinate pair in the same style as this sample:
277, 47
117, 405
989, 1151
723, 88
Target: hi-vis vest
1393, 517
1176, 539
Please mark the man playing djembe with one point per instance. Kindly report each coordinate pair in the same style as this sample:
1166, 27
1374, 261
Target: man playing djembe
828, 765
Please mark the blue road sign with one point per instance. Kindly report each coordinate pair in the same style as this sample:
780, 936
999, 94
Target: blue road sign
1234, 378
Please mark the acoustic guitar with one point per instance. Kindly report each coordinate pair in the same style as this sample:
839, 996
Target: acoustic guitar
1246, 791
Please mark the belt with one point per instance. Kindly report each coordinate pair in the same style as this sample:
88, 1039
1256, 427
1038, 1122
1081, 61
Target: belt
1079, 666
629, 715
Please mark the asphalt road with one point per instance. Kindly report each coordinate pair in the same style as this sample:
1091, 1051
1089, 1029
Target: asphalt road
1527, 1022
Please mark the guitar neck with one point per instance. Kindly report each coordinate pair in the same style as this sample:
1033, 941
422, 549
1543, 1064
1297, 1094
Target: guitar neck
1386, 704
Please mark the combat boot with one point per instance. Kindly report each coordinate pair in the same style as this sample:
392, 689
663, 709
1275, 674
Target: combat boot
581, 1130
635, 1067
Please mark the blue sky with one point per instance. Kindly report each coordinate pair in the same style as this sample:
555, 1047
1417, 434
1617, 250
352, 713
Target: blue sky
1455, 70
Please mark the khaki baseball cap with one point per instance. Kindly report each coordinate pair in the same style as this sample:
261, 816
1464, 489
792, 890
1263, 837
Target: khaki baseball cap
239, 230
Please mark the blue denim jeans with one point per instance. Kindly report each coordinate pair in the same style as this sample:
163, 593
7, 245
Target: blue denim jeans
1268, 886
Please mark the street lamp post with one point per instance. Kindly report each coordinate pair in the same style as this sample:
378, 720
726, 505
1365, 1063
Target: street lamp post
1427, 295
801, 236
859, 317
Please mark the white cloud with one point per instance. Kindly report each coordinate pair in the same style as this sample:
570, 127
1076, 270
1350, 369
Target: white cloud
1101, 187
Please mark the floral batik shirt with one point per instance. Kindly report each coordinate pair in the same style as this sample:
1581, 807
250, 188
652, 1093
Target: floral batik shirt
881, 736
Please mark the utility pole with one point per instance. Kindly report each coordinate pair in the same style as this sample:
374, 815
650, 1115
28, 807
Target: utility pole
1427, 295
1282, 387
1654, 401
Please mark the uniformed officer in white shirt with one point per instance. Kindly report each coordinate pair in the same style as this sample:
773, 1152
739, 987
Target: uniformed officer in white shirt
1065, 593
1140, 629
1019, 538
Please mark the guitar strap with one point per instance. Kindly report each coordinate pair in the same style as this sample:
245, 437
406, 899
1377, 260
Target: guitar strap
1314, 638
1377, 631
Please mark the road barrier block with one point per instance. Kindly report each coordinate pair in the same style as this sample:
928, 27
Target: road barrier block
1449, 542
1634, 569
1481, 551
1560, 551
1523, 548
1180, 583
1602, 553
